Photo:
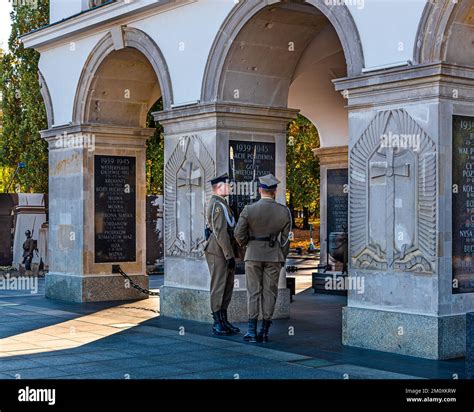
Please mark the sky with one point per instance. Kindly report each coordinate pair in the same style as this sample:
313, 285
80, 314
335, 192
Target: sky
5, 8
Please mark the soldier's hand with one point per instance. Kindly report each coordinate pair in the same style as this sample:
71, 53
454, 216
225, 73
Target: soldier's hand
231, 263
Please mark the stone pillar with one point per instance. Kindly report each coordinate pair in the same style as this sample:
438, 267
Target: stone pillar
196, 149
401, 217
8, 202
78, 218
330, 158
43, 245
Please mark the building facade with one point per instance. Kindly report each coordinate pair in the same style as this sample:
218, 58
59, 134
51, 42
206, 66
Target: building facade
389, 85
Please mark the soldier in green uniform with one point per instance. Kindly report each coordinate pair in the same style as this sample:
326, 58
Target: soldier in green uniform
264, 229
220, 254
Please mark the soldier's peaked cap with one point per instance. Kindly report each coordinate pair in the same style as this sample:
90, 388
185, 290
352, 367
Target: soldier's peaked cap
218, 179
268, 182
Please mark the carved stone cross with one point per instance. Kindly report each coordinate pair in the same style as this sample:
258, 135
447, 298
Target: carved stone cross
390, 172
189, 175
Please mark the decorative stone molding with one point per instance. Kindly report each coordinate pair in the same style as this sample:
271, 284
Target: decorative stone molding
225, 107
187, 172
95, 20
46, 99
332, 156
401, 236
410, 83
237, 116
102, 136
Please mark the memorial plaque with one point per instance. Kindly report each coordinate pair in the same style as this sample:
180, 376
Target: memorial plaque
337, 200
115, 209
251, 160
154, 230
463, 204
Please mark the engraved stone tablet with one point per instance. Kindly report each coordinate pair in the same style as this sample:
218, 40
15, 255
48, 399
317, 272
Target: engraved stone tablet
463, 204
115, 209
337, 200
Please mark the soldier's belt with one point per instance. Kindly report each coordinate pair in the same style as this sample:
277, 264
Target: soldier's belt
260, 238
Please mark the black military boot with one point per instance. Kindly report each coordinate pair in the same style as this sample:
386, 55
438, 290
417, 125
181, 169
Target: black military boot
218, 328
263, 332
233, 329
251, 335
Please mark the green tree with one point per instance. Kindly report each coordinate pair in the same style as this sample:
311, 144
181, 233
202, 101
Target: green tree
302, 168
155, 151
6, 174
23, 113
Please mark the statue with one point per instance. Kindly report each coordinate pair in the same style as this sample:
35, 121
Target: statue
29, 247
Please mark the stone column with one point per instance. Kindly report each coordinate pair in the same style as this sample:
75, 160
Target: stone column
330, 158
401, 217
8, 202
75, 272
196, 149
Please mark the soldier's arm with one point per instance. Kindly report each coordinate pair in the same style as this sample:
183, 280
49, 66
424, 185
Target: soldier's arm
221, 233
285, 233
241, 232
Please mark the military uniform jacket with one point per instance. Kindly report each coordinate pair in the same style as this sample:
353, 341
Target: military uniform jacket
220, 220
263, 219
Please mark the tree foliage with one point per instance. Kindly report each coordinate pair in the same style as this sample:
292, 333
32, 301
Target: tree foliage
155, 151
24, 114
302, 167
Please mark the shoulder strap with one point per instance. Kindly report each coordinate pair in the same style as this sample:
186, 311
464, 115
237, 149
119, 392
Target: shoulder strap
230, 219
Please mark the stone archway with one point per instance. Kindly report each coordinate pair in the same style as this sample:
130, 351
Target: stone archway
97, 171
338, 15
125, 38
46, 99
259, 115
444, 28
286, 54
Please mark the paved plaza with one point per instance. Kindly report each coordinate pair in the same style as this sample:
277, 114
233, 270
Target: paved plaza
42, 338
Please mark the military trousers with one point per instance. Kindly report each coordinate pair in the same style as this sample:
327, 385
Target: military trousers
222, 282
262, 287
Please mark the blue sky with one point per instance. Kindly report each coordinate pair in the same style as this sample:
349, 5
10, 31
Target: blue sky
5, 8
